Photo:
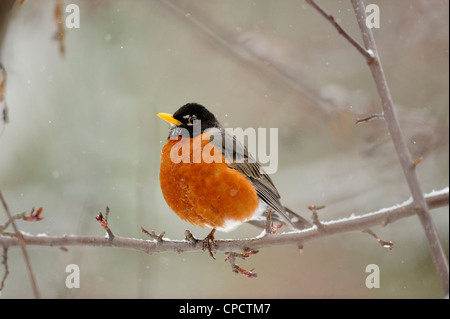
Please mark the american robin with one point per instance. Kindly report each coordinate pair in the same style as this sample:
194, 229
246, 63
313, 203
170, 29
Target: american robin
222, 189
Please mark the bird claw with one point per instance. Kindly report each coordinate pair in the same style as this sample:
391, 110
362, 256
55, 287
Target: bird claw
209, 243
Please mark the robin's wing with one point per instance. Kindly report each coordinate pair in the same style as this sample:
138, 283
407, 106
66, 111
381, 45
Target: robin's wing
238, 158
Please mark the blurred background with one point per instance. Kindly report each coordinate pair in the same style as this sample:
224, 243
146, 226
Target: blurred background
83, 134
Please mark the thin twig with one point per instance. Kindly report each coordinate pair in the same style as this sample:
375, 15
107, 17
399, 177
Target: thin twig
190, 238
107, 210
5, 265
369, 118
104, 223
60, 34
315, 216
152, 234
231, 258
4, 110
2, 83
268, 224
34, 216
22, 244
370, 58
386, 244
417, 161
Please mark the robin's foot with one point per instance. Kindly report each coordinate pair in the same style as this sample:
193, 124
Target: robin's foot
209, 242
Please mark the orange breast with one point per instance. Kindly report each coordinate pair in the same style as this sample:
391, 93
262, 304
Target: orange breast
205, 194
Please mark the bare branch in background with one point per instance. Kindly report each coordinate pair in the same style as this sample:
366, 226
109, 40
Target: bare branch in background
4, 112
22, 244
370, 58
390, 115
5, 265
238, 49
60, 34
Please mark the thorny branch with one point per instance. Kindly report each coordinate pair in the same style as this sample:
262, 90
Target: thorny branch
370, 118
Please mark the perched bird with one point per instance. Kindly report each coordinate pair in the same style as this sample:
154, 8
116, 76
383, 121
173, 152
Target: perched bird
209, 179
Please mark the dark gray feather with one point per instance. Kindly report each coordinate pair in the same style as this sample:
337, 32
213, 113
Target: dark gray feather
238, 158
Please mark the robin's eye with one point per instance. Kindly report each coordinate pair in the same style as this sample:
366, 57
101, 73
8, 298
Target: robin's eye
190, 119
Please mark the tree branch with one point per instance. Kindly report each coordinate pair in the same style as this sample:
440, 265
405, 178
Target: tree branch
371, 55
359, 223
390, 115
367, 54
21, 241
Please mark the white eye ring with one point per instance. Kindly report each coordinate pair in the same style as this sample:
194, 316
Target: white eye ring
190, 119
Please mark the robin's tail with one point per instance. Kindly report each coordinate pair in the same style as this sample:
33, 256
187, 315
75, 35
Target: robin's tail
296, 221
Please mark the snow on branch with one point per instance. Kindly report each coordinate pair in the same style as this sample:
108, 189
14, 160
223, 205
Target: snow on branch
381, 217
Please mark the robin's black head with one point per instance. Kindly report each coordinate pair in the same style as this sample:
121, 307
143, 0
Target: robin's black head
193, 117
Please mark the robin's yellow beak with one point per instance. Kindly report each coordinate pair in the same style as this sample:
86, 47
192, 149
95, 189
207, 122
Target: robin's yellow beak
169, 118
